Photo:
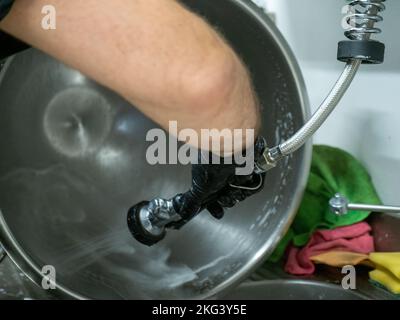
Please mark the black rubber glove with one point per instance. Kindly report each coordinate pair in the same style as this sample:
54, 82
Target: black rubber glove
241, 187
239, 190
216, 186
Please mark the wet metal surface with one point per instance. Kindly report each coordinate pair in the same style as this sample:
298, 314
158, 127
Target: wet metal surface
292, 290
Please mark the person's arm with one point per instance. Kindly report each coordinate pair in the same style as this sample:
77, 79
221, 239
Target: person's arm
155, 53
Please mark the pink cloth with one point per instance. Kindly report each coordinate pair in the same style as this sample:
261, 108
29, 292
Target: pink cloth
354, 238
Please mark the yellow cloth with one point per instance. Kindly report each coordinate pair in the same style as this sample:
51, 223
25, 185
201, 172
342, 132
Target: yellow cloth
387, 260
386, 264
387, 271
341, 259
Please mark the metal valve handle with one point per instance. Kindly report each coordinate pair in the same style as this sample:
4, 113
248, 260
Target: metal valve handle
340, 205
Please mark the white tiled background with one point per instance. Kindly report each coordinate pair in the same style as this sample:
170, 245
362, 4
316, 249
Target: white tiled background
367, 122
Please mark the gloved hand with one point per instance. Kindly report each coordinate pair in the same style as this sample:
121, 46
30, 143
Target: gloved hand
216, 186
241, 187
239, 190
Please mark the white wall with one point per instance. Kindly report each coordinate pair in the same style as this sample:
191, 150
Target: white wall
367, 122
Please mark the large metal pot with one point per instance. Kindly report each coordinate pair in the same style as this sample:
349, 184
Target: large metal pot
73, 162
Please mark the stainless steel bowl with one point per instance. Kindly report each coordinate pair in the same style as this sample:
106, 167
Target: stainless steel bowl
73, 162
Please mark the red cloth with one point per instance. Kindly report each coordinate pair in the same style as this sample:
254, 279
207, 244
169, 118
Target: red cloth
354, 238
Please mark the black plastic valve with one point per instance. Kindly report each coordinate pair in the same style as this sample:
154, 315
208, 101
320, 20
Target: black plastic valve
369, 51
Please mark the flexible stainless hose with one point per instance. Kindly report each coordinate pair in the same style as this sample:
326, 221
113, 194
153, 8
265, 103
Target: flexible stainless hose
319, 117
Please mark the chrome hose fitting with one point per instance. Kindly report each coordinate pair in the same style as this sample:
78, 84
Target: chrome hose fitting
362, 15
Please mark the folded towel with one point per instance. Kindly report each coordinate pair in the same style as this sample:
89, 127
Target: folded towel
354, 238
341, 259
387, 260
332, 171
387, 271
386, 264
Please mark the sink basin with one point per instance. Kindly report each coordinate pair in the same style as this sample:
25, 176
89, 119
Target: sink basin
292, 290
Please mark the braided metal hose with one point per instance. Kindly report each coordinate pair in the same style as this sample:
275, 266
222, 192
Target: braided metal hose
361, 18
323, 112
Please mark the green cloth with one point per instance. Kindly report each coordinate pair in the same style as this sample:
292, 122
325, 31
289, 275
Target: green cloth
332, 171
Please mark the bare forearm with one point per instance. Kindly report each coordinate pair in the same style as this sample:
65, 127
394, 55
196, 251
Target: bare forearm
158, 55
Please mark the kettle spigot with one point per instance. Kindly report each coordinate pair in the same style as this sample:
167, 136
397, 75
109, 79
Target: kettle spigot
148, 220
340, 205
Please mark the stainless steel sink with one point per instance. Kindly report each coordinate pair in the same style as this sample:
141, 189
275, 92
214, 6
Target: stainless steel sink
292, 290
14, 285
